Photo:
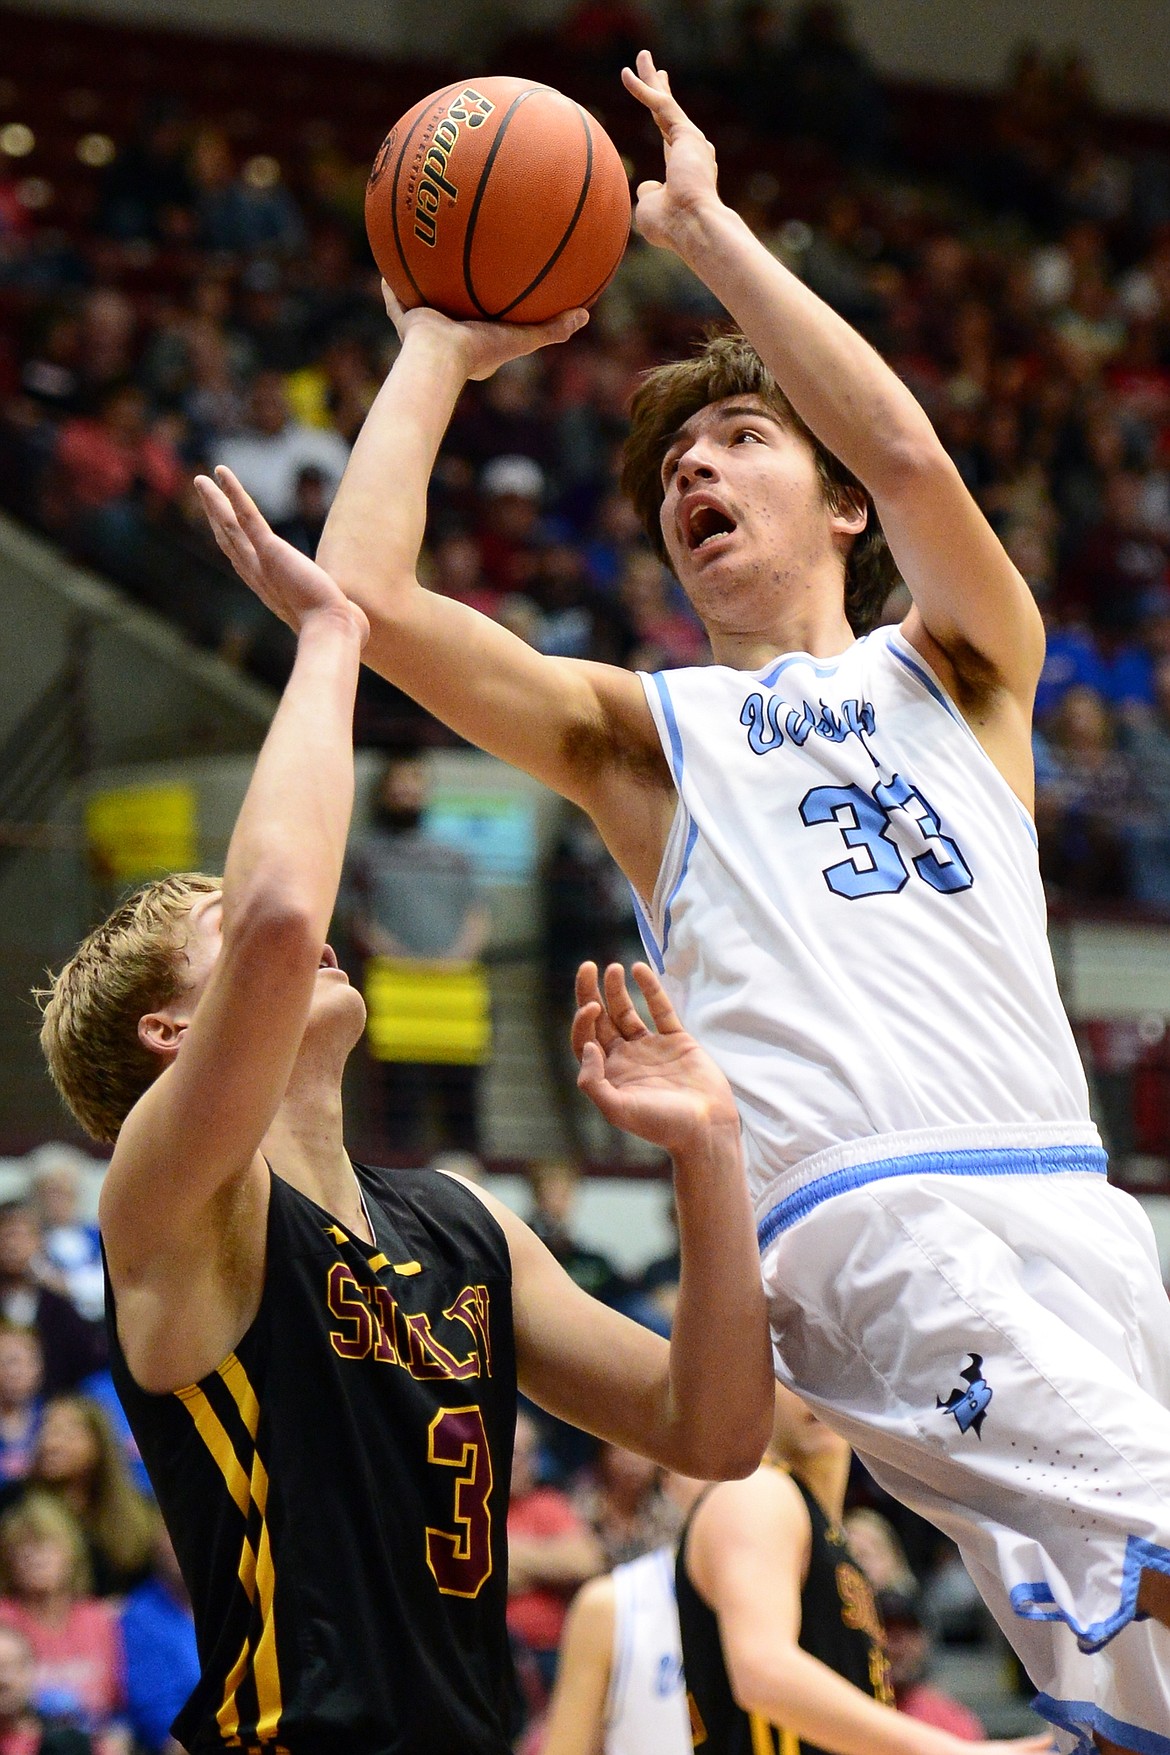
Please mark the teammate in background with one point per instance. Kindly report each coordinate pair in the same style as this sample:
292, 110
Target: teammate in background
319, 1361
829, 841
782, 1647
619, 1687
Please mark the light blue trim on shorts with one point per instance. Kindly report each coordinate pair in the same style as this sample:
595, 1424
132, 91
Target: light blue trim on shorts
1035, 1602
971, 1161
1082, 1718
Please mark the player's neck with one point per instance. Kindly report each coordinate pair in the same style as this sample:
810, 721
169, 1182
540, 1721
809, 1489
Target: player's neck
820, 629
305, 1145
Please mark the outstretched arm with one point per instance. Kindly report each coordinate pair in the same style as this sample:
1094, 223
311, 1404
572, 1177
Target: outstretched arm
702, 1404
549, 716
974, 615
746, 1554
182, 1204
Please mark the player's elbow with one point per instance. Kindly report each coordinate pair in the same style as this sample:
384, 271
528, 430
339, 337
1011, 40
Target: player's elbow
277, 923
752, 1672
729, 1450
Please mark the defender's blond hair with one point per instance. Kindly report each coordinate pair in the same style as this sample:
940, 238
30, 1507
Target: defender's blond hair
128, 966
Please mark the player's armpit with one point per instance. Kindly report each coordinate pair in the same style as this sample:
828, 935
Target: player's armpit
970, 600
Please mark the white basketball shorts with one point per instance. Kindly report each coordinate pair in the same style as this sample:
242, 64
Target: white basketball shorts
997, 1349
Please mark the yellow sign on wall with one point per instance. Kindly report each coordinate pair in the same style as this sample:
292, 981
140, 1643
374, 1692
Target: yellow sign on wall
435, 1013
137, 832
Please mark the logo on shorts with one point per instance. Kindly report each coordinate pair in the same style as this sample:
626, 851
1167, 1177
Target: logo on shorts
969, 1406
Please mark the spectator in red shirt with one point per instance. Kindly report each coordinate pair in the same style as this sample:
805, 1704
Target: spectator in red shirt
551, 1551
22, 1730
114, 456
908, 1647
74, 1637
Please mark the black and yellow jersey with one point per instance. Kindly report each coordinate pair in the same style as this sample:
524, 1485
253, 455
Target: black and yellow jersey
838, 1625
337, 1491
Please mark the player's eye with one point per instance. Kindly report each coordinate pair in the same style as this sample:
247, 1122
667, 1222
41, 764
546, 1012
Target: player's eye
669, 466
746, 433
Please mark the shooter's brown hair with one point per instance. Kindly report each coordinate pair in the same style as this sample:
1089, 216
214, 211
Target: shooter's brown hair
130, 965
728, 365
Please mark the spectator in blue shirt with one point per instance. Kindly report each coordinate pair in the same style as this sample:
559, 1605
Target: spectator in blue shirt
158, 1639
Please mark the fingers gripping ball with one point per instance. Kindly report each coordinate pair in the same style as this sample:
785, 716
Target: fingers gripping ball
499, 199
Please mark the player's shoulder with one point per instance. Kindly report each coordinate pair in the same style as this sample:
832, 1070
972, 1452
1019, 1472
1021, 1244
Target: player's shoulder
769, 1498
590, 1620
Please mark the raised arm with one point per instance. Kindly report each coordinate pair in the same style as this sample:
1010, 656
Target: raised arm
702, 1404
974, 615
183, 1202
551, 717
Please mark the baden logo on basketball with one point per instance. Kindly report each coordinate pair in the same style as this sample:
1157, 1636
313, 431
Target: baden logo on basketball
469, 109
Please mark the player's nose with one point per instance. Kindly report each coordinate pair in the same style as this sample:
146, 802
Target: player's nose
696, 464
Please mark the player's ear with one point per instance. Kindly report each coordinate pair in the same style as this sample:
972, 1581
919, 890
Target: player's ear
161, 1033
849, 511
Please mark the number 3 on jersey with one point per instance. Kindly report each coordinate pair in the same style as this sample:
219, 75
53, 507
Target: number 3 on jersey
865, 820
461, 1559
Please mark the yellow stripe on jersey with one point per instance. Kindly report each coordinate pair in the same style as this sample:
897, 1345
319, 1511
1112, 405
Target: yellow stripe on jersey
761, 1730
242, 1393
257, 1574
228, 1717
210, 1428
789, 1743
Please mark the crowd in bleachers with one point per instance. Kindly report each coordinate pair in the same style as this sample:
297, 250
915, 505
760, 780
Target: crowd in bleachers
217, 305
97, 1645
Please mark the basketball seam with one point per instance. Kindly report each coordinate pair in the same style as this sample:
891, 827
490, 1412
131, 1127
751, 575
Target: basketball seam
445, 92
569, 229
489, 161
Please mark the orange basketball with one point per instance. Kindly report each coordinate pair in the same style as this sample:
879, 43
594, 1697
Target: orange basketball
498, 198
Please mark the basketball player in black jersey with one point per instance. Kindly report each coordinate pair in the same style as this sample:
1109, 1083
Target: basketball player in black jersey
782, 1647
320, 1361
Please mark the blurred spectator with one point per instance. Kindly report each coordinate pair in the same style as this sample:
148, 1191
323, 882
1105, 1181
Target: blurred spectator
659, 1280
21, 1404
511, 531
245, 211
1147, 741
666, 634
826, 88
625, 1505
550, 1552
77, 1461
554, 1194
158, 1643
71, 1346
409, 895
146, 193
909, 1647
23, 1730
1085, 801
99, 1387
1119, 574
44, 1576
72, 1246
311, 509
273, 449
874, 1545
111, 475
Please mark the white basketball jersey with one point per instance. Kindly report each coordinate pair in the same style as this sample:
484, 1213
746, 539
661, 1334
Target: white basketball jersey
849, 917
646, 1710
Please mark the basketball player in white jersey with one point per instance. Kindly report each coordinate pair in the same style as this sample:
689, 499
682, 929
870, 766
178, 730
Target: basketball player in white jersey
830, 842
619, 1687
